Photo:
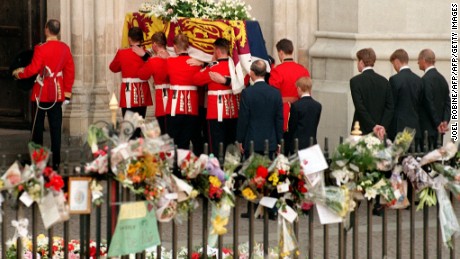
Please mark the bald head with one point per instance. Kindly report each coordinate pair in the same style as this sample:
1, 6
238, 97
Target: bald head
258, 68
426, 59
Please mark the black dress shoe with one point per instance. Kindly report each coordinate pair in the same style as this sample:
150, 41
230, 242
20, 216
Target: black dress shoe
377, 211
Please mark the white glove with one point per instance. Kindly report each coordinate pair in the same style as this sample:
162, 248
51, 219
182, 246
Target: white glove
66, 102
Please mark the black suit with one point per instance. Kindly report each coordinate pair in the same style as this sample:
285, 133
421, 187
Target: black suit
435, 106
407, 95
260, 117
373, 100
303, 121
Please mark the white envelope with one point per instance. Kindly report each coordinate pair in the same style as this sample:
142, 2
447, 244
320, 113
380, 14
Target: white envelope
326, 216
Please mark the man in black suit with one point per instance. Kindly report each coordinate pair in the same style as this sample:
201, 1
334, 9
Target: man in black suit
371, 95
261, 114
305, 115
435, 110
407, 95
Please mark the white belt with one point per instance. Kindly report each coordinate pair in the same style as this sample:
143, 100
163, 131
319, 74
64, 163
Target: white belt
184, 87
220, 92
162, 86
132, 80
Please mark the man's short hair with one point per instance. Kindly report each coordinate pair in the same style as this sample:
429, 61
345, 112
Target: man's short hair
159, 38
304, 83
181, 42
222, 44
136, 34
285, 46
428, 56
401, 55
259, 68
54, 26
367, 55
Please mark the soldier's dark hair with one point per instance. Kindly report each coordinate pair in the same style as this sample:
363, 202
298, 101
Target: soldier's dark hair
259, 68
136, 34
181, 42
367, 55
159, 38
222, 44
400, 55
285, 46
54, 26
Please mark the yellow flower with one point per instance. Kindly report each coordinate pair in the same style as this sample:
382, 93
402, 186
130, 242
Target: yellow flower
1, 184
274, 179
218, 225
248, 194
194, 193
214, 181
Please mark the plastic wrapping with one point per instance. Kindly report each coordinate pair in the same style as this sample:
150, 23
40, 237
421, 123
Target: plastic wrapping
447, 218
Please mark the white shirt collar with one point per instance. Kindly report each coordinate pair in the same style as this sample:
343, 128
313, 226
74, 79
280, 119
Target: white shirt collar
404, 67
259, 80
367, 68
428, 68
305, 94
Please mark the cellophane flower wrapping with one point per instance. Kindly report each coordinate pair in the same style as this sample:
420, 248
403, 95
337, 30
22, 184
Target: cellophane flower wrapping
287, 242
399, 188
39, 156
447, 218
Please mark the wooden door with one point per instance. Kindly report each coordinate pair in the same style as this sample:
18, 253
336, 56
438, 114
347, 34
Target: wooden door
21, 28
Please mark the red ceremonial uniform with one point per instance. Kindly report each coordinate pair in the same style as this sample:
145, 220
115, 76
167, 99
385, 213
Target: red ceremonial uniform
53, 63
134, 92
222, 103
156, 67
284, 77
183, 95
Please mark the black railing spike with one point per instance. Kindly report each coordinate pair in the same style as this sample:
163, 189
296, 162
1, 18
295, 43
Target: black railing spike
340, 139
206, 149
296, 145
266, 148
426, 147
283, 148
221, 153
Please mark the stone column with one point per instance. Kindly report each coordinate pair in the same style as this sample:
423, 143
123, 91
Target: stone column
344, 27
92, 28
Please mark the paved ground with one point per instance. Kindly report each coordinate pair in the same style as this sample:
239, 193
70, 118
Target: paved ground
318, 230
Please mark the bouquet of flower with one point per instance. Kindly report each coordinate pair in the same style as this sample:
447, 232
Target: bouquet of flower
39, 156
258, 181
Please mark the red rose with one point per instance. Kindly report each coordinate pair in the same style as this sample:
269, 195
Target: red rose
301, 187
215, 192
92, 251
55, 182
195, 255
262, 171
227, 250
306, 206
281, 172
48, 171
55, 248
71, 247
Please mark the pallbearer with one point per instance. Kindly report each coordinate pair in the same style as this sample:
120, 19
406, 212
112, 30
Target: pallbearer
156, 67
222, 112
134, 92
183, 97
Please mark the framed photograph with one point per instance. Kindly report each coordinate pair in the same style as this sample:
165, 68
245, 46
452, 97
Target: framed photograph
79, 195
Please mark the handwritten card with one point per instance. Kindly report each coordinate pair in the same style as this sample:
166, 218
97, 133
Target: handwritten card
288, 213
312, 160
49, 211
268, 202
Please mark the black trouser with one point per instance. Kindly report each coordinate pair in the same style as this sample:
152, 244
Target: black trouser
162, 123
288, 145
200, 132
142, 111
181, 128
54, 113
221, 132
